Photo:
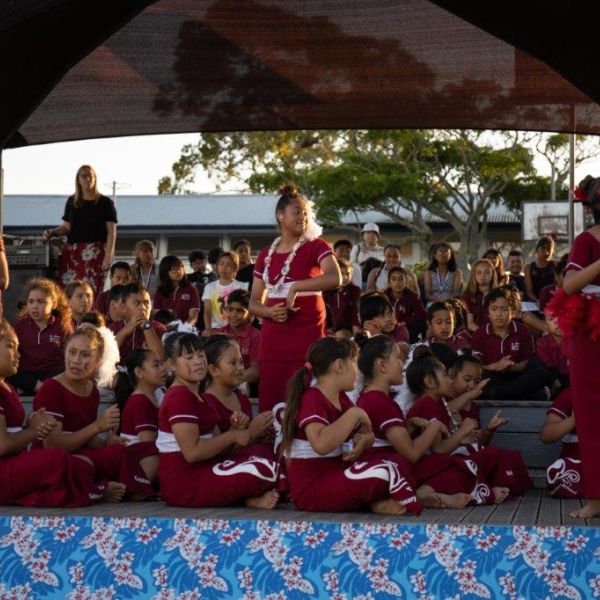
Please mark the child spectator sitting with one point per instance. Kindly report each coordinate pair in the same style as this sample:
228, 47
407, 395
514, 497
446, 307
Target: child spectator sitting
115, 304
175, 292
441, 321
240, 329
216, 293
42, 327
343, 301
408, 310
443, 279
550, 349
245, 272
80, 295
144, 269
377, 317
482, 279
548, 291
506, 350
515, 271
343, 249
136, 330
120, 274
199, 278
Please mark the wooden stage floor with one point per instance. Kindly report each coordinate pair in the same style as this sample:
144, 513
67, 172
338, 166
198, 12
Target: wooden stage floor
536, 508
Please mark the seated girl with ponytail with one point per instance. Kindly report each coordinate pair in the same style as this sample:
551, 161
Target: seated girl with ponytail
381, 364
198, 464
323, 475
466, 385
48, 477
225, 373
427, 378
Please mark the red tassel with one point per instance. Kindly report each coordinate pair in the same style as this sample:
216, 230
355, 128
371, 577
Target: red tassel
569, 311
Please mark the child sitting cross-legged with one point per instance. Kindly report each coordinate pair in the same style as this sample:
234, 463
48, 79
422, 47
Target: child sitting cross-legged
506, 350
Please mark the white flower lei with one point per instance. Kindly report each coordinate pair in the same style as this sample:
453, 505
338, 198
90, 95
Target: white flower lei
275, 287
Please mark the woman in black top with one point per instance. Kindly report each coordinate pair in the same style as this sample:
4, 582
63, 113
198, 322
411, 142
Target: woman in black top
90, 223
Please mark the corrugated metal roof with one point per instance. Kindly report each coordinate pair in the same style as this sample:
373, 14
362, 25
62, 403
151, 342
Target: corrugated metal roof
214, 210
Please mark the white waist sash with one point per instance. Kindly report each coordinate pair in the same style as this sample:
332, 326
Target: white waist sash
592, 290
284, 290
166, 442
303, 449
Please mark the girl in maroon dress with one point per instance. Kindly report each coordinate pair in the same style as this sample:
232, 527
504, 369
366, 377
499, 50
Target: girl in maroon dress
44, 478
564, 475
135, 393
428, 378
81, 299
577, 309
325, 438
466, 386
73, 399
289, 277
380, 361
225, 373
198, 463
482, 280
174, 291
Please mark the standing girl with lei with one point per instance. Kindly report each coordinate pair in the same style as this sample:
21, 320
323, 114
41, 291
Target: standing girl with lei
199, 465
289, 277
577, 308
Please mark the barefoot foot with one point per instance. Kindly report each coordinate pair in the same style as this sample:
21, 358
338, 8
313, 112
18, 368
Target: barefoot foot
267, 501
591, 509
455, 500
114, 492
388, 507
427, 496
500, 494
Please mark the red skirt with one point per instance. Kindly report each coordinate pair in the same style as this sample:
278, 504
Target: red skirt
332, 485
48, 478
274, 376
216, 482
564, 475
82, 261
122, 464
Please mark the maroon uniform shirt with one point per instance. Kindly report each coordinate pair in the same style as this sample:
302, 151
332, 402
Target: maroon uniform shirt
11, 408
139, 414
343, 304
476, 306
248, 340
407, 308
41, 349
456, 342
180, 301
224, 412
517, 343
383, 412
552, 354
136, 339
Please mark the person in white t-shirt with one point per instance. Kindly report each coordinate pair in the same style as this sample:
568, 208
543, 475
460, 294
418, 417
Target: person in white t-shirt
216, 292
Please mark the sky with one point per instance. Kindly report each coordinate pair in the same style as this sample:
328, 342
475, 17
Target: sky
135, 163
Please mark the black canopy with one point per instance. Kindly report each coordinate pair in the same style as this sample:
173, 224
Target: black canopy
73, 70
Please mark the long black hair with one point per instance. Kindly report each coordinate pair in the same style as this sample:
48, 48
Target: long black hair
165, 285
372, 348
214, 347
320, 356
433, 263
590, 187
424, 364
465, 356
126, 380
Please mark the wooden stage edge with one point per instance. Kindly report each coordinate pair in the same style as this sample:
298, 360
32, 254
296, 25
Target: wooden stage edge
536, 508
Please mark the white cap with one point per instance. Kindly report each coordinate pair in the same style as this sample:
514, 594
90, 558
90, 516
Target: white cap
370, 227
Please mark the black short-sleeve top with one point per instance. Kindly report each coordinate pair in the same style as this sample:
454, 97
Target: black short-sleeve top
88, 220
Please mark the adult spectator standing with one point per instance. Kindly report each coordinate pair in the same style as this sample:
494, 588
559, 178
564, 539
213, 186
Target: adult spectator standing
368, 247
90, 224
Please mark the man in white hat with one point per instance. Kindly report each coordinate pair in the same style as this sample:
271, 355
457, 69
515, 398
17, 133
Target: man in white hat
369, 246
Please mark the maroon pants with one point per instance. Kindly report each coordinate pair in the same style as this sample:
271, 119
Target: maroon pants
47, 478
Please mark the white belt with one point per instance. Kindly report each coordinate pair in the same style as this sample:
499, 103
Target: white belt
378, 443
13, 429
284, 290
592, 290
303, 449
570, 438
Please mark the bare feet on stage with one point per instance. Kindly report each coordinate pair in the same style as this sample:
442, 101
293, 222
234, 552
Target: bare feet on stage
388, 507
428, 497
500, 494
267, 501
114, 492
591, 509
455, 500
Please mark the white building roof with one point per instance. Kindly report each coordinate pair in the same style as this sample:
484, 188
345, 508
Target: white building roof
213, 210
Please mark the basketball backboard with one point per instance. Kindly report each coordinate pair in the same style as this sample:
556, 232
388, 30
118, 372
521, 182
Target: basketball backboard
549, 218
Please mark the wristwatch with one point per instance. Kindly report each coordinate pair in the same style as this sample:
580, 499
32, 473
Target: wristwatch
146, 325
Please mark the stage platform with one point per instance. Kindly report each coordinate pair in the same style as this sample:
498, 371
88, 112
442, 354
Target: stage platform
529, 548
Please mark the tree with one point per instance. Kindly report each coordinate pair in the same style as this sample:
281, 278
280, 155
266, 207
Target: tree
407, 175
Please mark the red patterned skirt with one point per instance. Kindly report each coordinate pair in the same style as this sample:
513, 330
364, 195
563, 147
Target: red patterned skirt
82, 261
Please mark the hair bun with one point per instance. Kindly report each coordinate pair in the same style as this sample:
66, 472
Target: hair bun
288, 189
361, 338
586, 183
422, 351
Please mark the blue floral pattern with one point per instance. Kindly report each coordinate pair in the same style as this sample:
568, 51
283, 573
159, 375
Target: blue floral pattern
80, 558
